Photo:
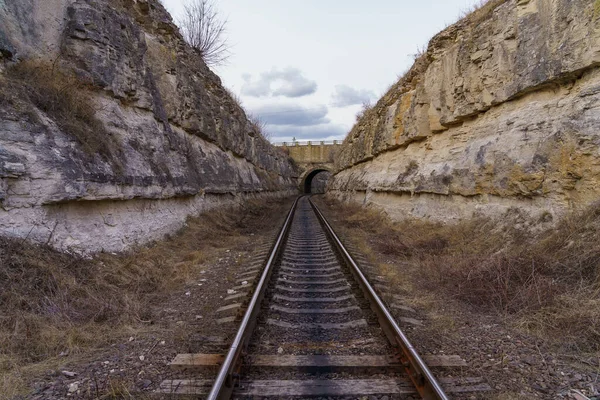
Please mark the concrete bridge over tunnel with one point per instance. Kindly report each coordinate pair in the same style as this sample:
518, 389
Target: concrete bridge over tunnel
315, 159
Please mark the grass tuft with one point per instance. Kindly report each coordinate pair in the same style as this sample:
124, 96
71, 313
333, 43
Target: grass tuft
480, 11
260, 127
66, 99
53, 303
548, 282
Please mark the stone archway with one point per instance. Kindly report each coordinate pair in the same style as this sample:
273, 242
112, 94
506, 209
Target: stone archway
306, 182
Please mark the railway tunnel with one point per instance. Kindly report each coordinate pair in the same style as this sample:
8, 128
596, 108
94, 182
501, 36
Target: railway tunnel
315, 181
316, 161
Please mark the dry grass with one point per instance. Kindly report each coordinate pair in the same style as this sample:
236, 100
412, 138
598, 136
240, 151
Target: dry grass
547, 283
260, 126
235, 97
54, 303
480, 10
66, 99
364, 110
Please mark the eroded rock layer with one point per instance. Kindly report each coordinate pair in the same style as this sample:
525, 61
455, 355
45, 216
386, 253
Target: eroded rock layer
163, 140
502, 111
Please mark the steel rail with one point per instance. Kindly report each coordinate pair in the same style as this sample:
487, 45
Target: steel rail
225, 382
424, 381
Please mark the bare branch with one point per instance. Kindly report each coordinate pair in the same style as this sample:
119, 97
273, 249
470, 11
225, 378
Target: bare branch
205, 31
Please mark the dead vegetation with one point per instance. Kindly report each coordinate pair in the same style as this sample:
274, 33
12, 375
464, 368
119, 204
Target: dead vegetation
547, 283
260, 126
205, 31
480, 10
54, 304
365, 108
66, 99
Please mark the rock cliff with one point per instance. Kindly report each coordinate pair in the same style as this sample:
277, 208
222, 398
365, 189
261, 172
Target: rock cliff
502, 111
113, 130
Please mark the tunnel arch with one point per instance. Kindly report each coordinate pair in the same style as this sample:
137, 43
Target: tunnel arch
307, 178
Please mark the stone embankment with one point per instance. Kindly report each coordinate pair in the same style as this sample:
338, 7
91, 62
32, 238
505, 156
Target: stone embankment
170, 140
502, 111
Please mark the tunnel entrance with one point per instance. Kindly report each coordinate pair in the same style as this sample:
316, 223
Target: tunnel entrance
316, 181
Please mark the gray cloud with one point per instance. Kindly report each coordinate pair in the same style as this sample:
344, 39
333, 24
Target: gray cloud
288, 82
318, 132
292, 114
345, 96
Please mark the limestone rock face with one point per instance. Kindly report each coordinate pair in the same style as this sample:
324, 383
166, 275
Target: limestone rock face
181, 143
502, 111
31, 27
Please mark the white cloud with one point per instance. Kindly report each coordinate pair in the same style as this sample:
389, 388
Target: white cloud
345, 96
291, 114
288, 82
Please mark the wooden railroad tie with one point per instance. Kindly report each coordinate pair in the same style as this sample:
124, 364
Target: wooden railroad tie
341, 362
316, 363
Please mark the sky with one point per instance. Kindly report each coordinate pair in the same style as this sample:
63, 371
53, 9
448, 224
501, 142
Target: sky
305, 68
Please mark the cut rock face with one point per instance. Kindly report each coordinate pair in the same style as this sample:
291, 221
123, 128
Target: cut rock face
179, 144
500, 112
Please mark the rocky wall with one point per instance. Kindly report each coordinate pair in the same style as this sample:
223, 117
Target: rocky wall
179, 143
501, 111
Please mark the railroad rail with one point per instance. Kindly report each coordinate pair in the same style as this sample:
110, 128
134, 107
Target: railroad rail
313, 316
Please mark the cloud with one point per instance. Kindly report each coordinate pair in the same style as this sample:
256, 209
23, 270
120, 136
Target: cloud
292, 114
287, 121
345, 96
300, 133
287, 82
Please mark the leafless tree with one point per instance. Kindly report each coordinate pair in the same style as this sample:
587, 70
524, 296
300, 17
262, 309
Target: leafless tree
205, 31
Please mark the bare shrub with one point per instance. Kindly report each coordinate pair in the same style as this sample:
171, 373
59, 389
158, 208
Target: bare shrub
257, 122
472, 8
204, 31
365, 108
261, 126
235, 97
421, 51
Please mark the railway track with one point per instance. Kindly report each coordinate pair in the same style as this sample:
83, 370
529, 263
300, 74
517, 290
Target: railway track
314, 326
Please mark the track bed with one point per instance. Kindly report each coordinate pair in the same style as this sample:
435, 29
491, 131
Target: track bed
313, 327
